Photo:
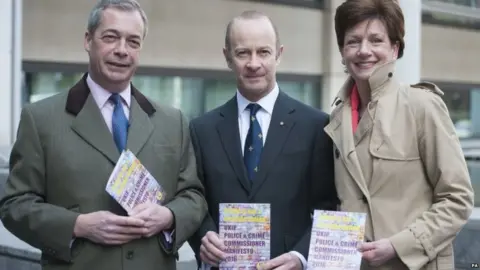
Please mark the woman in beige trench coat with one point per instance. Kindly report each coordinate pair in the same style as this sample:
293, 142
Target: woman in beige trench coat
397, 157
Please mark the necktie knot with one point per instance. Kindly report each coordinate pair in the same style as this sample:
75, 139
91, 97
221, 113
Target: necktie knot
116, 99
254, 108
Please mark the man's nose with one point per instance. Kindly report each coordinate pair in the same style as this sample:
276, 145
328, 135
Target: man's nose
254, 62
121, 48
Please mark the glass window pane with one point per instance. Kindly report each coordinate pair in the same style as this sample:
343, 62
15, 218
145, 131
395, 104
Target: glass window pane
182, 93
217, 92
464, 13
194, 96
45, 84
306, 92
474, 170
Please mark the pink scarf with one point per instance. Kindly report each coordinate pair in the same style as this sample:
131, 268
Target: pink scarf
355, 101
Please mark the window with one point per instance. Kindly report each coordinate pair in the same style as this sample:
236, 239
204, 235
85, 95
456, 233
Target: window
218, 92
317, 4
474, 170
193, 95
457, 13
463, 103
466, 3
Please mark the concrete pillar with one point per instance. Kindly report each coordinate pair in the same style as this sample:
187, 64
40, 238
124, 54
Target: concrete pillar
409, 66
333, 70
10, 69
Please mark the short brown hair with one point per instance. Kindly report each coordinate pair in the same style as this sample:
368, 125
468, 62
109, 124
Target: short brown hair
249, 15
353, 12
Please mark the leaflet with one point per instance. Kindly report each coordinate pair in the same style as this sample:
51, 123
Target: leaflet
245, 231
131, 184
334, 240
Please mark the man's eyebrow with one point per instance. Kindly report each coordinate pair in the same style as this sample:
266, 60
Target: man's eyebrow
116, 32
113, 31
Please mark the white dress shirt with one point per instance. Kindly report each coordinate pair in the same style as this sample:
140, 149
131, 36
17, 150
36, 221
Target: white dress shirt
264, 116
106, 106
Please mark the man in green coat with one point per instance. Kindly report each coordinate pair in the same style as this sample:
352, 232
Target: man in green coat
68, 145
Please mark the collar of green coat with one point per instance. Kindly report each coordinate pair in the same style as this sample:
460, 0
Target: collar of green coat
78, 94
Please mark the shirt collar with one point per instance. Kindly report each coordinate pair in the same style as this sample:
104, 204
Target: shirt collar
101, 96
267, 102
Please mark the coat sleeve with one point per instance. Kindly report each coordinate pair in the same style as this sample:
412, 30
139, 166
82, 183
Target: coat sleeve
23, 209
208, 224
447, 173
188, 206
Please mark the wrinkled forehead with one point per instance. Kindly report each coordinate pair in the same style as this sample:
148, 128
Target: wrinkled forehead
252, 33
124, 22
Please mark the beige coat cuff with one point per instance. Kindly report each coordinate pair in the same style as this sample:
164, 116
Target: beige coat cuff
411, 246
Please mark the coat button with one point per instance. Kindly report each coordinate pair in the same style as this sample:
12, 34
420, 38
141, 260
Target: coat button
337, 153
130, 254
364, 199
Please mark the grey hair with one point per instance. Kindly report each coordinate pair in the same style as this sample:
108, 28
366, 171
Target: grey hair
95, 16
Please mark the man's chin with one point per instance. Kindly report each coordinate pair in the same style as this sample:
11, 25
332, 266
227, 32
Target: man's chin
118, 77
253, 93
255, 85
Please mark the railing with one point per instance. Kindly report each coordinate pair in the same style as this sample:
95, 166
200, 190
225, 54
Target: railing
458, 13
464, 3
460, 9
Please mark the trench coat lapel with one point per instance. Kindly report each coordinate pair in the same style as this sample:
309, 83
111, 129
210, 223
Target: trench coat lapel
340, 130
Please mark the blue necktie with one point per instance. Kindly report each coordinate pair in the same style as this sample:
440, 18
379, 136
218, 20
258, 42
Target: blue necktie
253, 143
119, 123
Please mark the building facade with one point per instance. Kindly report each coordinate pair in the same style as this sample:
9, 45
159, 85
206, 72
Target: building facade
182, 62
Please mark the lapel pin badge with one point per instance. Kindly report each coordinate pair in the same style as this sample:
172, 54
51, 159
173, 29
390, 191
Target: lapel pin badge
281, 123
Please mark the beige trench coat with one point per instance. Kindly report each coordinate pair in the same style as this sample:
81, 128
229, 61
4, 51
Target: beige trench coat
419, 194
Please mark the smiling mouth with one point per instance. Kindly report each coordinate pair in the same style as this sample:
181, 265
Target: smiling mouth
118, 65
365, 64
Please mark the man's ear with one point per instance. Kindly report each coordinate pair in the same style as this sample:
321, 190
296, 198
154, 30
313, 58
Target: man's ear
87, 42
228, 57
278, 57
